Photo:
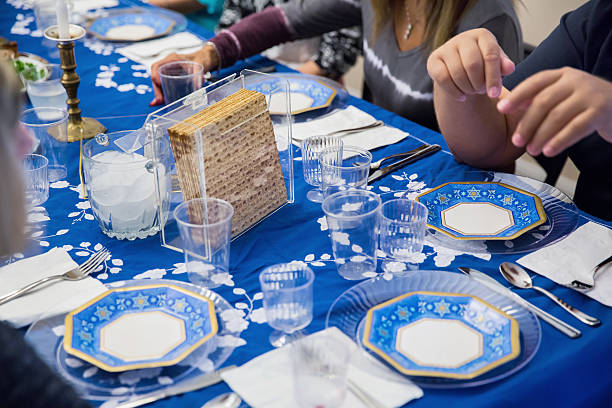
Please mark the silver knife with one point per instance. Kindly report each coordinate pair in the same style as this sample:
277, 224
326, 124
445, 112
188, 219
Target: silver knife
401, 163
497, 287
196, 383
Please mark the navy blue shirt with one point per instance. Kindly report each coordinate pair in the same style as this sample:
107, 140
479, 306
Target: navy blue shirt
583, 40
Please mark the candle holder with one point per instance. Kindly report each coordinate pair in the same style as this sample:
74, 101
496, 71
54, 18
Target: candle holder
78, 127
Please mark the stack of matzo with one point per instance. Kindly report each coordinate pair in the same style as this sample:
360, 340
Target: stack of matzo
241, 163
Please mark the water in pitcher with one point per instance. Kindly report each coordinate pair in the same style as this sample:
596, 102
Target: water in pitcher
122, 195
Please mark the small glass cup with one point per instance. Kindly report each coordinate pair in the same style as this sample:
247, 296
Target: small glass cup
353, 224
311, 148
205, 225
320, 371
49, 127
344, 168
36, 179
402, 231
180, 78
48, 90
287, 291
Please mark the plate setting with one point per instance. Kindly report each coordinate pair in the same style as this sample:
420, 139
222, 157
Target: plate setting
441, 334
482, 210
139, 327
134, 26
306, 95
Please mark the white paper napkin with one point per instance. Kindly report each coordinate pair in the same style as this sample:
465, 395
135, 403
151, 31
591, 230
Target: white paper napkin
338, 120
266, 381
148, 52
575, 257
26, 309
373, 138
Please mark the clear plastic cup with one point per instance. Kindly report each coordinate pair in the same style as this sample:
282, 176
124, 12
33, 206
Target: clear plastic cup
311, 148
344, 168
49, 127
402, 232
47, 91
320, 371
287, 291
180, 78
352, 218
205, 225
35, 179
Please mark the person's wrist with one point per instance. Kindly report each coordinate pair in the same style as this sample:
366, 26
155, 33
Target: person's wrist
211, 54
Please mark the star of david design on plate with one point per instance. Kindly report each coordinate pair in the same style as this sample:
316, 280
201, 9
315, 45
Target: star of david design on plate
146, 326
482, 210
441, 334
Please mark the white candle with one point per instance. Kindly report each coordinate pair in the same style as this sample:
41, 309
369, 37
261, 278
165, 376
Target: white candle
61, 10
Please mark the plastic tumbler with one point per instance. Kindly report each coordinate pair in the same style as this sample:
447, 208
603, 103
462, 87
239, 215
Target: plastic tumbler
180, 78
205, 225
352, 219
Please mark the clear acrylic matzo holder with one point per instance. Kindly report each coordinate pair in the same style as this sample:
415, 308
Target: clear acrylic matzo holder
276, 90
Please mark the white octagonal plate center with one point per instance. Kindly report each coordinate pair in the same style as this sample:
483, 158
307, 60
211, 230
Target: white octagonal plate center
477, 218
142, 336
439, 343
299, 101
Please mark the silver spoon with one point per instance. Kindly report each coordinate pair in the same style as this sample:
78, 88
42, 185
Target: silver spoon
517, 276
227, 400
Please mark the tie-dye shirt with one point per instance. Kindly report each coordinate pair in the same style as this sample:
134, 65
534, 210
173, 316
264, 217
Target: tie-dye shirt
398, 80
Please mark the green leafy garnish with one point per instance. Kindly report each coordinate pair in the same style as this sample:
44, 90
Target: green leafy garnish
28, 71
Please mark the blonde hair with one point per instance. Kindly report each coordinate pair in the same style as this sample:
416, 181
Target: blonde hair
12, 212
441, 19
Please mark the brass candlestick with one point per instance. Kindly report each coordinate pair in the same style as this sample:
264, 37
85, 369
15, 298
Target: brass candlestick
78, 127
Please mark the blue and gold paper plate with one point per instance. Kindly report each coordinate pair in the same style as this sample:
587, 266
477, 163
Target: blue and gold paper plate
306, 95
131, 26
441, 334
139, 327
482, 210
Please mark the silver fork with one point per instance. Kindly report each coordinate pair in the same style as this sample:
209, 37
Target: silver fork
78, 273
576, 284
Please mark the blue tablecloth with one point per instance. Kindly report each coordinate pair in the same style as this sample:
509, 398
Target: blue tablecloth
564, 372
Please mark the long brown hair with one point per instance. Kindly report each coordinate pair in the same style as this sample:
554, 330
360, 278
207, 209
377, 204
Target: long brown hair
12, 212
445, 14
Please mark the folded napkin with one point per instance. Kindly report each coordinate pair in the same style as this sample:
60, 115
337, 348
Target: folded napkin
57, 297
337, 121
373, 138
148, 52
575, 257
267, 380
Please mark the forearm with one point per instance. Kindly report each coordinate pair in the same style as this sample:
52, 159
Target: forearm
252, 35
474, 130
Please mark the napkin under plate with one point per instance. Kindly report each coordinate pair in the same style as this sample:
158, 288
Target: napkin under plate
267, 380
29, 307
575, 257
